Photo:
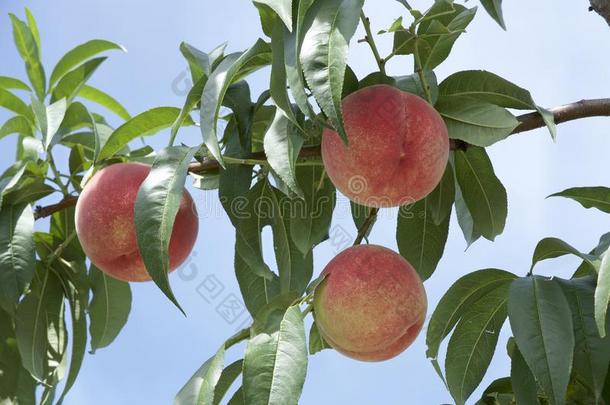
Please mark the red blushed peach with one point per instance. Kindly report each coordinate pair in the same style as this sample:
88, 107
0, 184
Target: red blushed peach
372, 304
398, 146
106, 229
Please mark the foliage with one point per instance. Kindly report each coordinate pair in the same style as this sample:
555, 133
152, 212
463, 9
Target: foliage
267, 172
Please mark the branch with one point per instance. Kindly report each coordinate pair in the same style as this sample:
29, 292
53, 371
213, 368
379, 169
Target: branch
601, 7
569, 112
366, 226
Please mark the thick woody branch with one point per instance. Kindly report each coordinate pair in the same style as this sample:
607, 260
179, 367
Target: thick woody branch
601, 7
564, 113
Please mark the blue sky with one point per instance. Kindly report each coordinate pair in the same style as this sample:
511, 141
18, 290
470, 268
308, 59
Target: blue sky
551, 48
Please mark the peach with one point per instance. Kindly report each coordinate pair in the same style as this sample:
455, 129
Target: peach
106, 229
397, 151
372, 304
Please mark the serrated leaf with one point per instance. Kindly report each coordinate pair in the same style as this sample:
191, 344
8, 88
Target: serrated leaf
256, 290
227, 378
10, 83
17, 254
146, 123
487, 87
419, 239
80, 54
283, 8
312, 215
232, 68
588, 197
157, 204
462, 294
277, 84
282, 145
70, 85
36, 316
275, 363
441, 200
602, 293
13, 103
482, 191
316, 341
549, 248
474, 341
438, 33
476, 122
494, 9
16, 125
329, 26
541, 322
105, 100
109, 308
199, 390
591, 352
523, 382
293, 43
27, 46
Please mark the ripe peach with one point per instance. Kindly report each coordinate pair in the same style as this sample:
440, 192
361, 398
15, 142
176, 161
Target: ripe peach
372, 304
105, 223
397, 151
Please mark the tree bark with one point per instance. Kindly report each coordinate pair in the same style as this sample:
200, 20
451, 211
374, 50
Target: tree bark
601, 7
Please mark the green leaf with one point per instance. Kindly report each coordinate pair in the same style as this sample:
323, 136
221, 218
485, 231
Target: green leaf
404, 42
199, 62
473, 343
312, 215
441, 200
316, 341
549, 248
237, 99
283, 8
275, 363
250, 222
482, 191
10, 83
329, 27
146, 123
541, 321
49, 120
25, 42
80, 54
200, 387
282, 146
549, 119
13, 103
28, 190
412, 84
476, 122
522, 379
227, 378
72, 83
437, 34
156, 207
293, 43
16, 125
456, 301
494, 9
599, 250
487, 87
109, 308
419, 239
17, 255
73, 276
192, 99
602, 293
464, 218
256, 290
232, 68
277, 85
36, 317
105, 100
591, 352
31, 21
588, 197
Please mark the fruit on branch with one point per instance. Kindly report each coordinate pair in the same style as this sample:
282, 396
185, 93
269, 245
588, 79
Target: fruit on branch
397, 151
372, 304
106, 229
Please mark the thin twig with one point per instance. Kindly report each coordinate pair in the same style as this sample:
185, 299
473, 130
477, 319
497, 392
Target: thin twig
366, 226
